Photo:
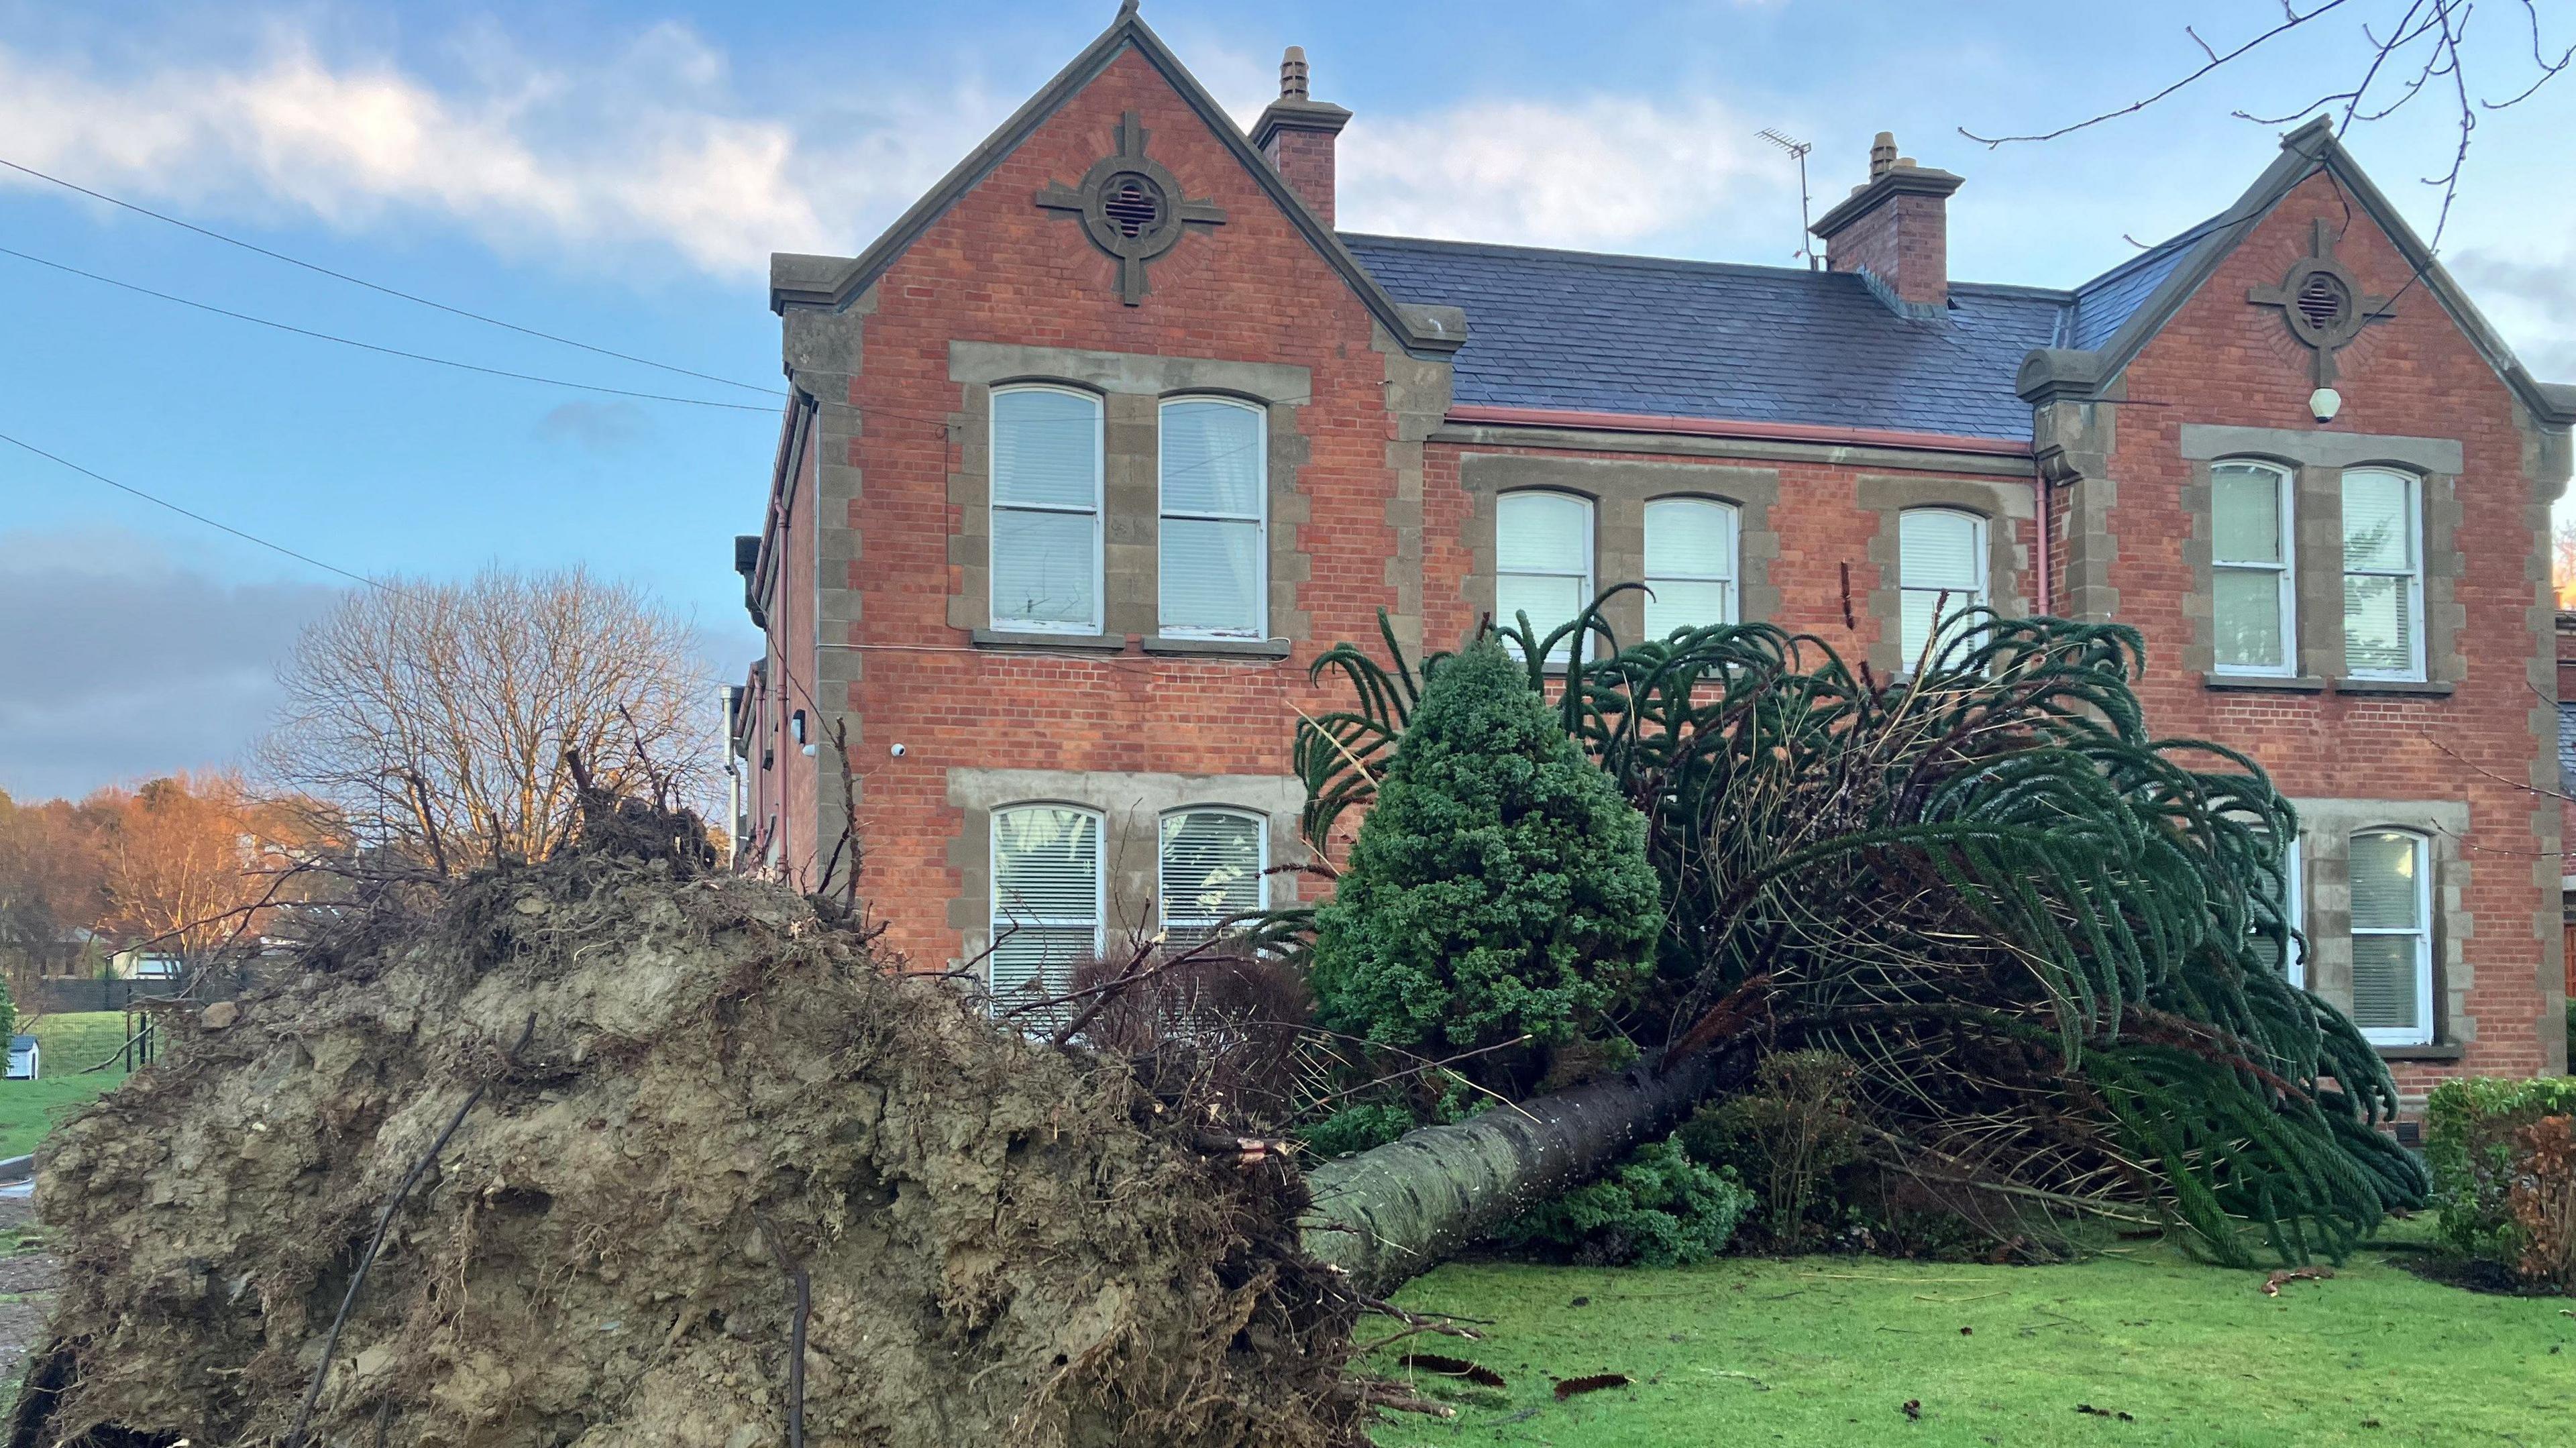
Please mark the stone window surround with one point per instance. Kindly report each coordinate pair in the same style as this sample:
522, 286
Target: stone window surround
1619, 491
1132, 388
2326, 828
1131, 807
2317, 461
2001, 504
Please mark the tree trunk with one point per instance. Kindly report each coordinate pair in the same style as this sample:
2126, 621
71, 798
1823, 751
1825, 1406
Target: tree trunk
1388, 1214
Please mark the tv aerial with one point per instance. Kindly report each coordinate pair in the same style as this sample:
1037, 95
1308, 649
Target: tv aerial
1797, 150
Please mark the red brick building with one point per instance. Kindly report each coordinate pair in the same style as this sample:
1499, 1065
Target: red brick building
1112, 433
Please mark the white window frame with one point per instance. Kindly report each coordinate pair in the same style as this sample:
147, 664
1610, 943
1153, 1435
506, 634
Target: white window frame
1259, 518
1581, 641
1980, 545
998, 918
2413, 574
1734, 562
2288, 569
1164, 896
993, 506
2421, 1033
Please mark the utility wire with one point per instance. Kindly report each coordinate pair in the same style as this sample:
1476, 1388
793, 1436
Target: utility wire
378, 287
199, 517
387, 351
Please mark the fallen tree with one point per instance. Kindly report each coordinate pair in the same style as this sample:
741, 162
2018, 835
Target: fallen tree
601, 1152
2048, 940
1385, 1215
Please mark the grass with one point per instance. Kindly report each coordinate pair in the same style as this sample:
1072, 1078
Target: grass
30, 1109
1827, 1350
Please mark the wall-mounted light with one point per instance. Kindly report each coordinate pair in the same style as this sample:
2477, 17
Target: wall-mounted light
2324, 403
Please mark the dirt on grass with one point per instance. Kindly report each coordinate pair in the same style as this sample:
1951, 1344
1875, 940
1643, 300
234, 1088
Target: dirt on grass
695, 1088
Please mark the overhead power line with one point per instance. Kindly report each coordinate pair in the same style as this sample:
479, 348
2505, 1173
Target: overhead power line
489, 321
765, 410
198, 517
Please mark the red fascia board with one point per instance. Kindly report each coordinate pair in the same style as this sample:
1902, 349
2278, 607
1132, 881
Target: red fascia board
1731, 427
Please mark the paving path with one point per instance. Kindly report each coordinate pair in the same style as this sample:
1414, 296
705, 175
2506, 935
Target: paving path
28, 1281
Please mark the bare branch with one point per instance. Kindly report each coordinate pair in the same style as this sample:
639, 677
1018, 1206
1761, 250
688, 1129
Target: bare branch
2292, 19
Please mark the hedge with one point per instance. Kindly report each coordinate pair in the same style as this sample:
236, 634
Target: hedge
2469, 1127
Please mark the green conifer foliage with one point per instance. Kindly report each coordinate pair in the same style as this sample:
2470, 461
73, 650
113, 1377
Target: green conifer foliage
2046, 937
1499, 885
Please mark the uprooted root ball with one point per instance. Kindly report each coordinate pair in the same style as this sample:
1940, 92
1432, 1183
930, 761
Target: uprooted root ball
1005, 1243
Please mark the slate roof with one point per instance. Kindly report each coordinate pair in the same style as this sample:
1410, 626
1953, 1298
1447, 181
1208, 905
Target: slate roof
2103, 303
1643, 335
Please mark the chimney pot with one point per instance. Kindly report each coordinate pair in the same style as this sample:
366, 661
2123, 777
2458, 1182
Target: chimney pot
1895, 229
1298, 133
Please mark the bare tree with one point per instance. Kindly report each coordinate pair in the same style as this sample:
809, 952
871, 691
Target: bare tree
453, 721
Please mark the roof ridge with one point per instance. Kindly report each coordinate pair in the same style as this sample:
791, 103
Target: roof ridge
1649, 261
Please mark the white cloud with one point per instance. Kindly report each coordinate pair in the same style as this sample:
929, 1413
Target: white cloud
1607, 171
645, 148
2533, 302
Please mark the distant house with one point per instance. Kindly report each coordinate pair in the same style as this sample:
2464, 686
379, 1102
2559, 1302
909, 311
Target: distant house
146, 965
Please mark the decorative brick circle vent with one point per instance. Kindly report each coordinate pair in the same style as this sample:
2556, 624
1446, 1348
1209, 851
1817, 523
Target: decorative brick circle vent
1129, 206
1133, 206
2323, 303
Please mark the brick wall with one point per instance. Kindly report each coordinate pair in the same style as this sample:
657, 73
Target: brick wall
998, 269
2223, 361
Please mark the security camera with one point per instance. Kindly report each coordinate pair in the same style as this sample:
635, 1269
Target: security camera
896, 751
2324, 403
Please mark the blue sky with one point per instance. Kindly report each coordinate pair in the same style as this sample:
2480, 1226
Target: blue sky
619, 173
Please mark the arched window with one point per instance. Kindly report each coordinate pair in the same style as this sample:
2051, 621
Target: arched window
2383, 574
1215, 487
2392, 936
1212, 861
1048, 900
1941, 563
1542, 560
1046, 462
1691, 564
2254, 595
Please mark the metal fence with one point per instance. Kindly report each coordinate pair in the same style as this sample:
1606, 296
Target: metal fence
60, 995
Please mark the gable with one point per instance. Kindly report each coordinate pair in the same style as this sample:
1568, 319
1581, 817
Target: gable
2119, 313
833, 282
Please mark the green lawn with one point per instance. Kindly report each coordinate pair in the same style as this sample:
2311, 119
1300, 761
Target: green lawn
1827, 1350
29, 1109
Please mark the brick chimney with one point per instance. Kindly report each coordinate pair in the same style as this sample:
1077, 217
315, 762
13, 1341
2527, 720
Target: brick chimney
1895, 230
1297, 134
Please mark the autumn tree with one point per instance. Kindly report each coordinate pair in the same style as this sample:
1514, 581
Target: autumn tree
192, 864
450, 722
49, 884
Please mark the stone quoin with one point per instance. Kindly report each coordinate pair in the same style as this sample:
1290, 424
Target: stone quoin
1110, 434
